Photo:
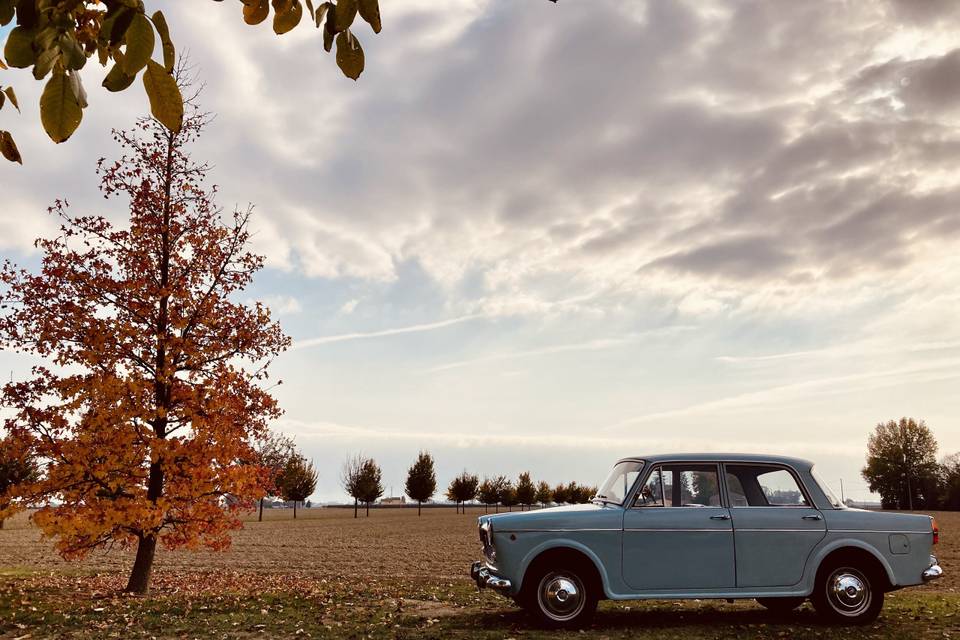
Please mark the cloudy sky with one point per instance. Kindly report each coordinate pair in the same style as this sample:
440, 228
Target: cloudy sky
542, 236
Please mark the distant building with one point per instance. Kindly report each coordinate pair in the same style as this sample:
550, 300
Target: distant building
393, 500
282, 504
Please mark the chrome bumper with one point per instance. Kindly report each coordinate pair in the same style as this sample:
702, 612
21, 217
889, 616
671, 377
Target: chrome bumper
933, 571
484, 579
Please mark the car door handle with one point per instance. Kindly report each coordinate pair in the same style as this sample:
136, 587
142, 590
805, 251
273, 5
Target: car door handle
817, 517
723, 517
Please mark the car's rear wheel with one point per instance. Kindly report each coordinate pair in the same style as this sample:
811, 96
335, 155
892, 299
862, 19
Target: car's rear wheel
781, 606
848, 594
564, 597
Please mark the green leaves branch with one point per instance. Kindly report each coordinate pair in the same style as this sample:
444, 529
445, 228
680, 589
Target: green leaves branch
55, 38
335, 18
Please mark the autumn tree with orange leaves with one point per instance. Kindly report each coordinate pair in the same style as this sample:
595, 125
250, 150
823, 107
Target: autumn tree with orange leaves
153, 393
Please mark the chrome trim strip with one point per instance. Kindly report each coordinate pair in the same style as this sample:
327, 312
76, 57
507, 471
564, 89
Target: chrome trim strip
551, 530
710, 594
812, 530
770, 507
820, 531
656, 530
916, 533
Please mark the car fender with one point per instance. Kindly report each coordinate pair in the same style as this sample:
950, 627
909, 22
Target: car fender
817, 558
563, 543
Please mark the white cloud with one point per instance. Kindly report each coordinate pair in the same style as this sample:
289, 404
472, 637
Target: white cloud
383, 333
781, 396
592, 345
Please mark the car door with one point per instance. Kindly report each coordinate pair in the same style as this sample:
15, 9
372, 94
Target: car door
775, 526
677, 534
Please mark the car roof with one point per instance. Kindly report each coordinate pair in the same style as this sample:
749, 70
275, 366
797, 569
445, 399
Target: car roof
798, 463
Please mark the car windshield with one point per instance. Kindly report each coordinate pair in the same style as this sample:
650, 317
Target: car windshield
831, 496
619, 482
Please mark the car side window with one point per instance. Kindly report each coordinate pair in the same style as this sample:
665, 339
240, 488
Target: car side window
781, 490
763, 486
681, 485
691, 486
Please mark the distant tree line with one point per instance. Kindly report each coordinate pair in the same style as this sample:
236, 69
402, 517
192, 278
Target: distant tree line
501, 491
361, 479
902, 467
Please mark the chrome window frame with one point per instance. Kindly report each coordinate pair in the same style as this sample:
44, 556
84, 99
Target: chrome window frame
776, 466
642, 481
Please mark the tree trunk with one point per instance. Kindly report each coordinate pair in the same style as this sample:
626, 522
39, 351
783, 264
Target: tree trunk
354, 507
368, 509
418, 508
294, 509
147, 547
142, 566
260, 519
497, 508
1, 523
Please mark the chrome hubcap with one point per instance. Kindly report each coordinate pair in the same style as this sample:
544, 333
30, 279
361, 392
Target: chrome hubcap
561, 595
849, 591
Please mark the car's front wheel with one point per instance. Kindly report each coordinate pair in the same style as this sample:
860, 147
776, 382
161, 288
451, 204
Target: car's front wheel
564, 597
847, 594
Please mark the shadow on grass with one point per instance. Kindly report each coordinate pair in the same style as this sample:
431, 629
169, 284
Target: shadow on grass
659, 619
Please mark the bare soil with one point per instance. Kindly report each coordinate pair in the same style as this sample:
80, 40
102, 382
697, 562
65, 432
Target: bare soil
391, 542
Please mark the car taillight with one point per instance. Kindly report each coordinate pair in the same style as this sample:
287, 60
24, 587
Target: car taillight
936, 530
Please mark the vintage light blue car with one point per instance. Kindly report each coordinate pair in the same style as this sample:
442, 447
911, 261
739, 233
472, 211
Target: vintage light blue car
706, 526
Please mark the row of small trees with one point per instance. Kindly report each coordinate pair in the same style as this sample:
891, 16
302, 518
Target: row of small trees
288, 474
502, 491
361, 479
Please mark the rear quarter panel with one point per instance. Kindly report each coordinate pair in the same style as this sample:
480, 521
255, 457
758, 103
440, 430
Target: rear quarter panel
901, 542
